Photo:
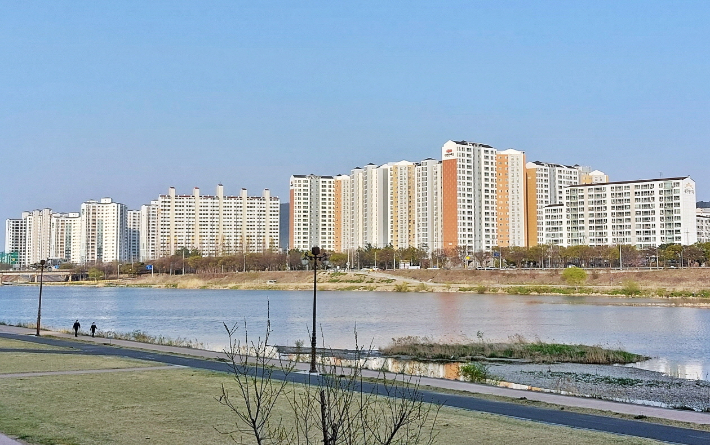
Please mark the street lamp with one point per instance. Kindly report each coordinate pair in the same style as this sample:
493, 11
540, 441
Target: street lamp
39, 308
314, 255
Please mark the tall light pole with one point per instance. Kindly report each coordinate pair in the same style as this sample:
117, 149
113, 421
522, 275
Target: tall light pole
39, 307
314, 255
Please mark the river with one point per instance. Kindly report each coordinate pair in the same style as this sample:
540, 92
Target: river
677, 337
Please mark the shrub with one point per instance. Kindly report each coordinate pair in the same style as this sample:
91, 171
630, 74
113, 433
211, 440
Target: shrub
401, 287
474, 372
631, 288
574, 276
481, 289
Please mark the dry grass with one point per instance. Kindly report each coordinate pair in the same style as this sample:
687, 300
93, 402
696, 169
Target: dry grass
538, 352
179, 407
666, 283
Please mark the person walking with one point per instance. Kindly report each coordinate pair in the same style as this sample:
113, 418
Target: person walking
76, 327
93, 328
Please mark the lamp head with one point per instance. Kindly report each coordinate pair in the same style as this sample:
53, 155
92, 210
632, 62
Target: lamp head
315, 250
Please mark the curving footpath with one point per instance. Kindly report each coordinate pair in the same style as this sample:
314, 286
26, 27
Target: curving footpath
202, 359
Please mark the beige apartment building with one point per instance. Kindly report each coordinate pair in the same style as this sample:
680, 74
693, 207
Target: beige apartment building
510, 198
217, 224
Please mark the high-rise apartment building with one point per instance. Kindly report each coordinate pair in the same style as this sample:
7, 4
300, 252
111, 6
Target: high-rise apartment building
398, 204
65, 245
149, 231
643, 213
428, 205
312, 212
510, 198
216, 225
15, 237
469, 196
103, 231
342, 224
133, 235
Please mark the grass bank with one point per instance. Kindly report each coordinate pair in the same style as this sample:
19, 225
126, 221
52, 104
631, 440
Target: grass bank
424, 349
179, 407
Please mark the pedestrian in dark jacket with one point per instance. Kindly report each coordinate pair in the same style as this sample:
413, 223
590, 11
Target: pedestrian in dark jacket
76, 327
93, 329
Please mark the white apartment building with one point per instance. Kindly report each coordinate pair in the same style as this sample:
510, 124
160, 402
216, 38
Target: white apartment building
510, 198
644, 213
469, 214
38, 235
555, 224
103, 232
65, 237
15, 237
312, 212
428, 205
546, 184
216, 225
148, 249
702, 218
133, 235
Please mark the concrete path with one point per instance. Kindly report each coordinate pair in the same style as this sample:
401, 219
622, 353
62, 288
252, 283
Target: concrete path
195, 358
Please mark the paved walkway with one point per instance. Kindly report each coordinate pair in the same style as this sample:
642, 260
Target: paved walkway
428, 384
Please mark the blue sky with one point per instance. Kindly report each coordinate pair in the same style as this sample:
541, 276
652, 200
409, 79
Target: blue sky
125, 99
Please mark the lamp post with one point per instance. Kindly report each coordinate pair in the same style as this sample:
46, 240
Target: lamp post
314, 255
39, 307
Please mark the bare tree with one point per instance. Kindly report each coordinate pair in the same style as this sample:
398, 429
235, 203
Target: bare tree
336, 406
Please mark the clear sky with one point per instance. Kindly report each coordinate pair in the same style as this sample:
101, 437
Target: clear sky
125, 99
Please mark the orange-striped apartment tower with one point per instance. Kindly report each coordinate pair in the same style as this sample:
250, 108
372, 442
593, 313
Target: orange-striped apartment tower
468, 196
510, 198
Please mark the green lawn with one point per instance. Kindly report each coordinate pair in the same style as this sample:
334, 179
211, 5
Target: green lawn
180, 407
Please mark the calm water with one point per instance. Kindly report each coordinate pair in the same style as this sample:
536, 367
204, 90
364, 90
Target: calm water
678, 337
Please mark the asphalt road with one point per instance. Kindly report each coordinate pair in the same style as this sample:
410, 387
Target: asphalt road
470, 402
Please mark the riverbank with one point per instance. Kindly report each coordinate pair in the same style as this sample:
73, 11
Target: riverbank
682, 286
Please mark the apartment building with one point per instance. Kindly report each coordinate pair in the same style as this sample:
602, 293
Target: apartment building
133, 235
103, 232
65, 237
398, 199
589, 176
510, 198
38, 235
342, 224
15, 237
148, 231
428, 224
546, 183
702, 218
469, 205
312, 212
216, 224
643, 213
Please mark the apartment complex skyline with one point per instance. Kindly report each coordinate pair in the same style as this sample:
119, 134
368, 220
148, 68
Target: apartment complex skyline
106, 231
477, 198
